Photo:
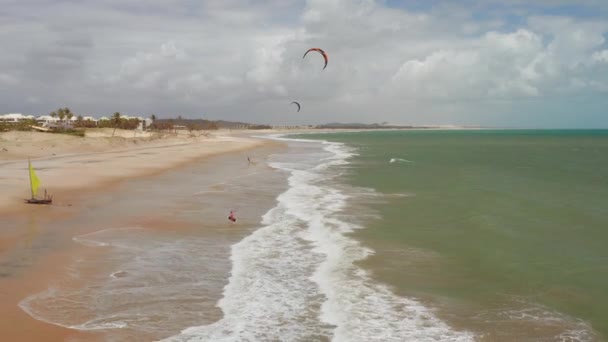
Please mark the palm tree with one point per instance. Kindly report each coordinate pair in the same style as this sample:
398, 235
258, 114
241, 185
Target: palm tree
61, 116
54, 114
135, 128
68, 113
153, 118
115, 122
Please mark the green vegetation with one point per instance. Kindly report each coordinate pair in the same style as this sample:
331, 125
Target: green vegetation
116, 121
69, 131
82, 123
17, 126
66, 124
259, 127
190, 124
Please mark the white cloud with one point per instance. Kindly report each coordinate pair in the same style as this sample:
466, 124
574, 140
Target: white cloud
242, 59
8, 79
600, 56
494, 65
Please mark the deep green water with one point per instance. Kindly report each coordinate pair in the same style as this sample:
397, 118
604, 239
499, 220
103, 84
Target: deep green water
504, 217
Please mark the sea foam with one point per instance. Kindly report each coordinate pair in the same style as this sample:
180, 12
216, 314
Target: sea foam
295, 278
399, 160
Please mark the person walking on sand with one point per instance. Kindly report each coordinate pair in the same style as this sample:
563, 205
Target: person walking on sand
231, 217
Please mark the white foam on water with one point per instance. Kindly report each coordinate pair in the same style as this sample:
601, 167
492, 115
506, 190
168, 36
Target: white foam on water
50, 294
295, 279
103, 238
537, 321
573, 329
150, 282
399, 160
401, 194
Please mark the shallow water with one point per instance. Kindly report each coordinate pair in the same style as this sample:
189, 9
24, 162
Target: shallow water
155, 253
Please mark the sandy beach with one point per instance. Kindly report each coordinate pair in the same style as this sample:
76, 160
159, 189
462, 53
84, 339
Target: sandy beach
100, 183
66, 163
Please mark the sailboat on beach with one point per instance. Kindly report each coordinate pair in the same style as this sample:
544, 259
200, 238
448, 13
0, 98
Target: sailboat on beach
34, 185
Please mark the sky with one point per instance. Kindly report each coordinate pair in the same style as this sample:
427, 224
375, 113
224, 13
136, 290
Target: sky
506, 63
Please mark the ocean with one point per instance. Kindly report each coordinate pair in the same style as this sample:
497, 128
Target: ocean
374, 236
502, 232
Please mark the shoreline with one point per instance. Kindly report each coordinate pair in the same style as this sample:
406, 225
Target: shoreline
70, 176
61, 223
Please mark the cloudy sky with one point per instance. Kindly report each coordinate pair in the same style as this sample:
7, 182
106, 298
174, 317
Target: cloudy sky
490, 62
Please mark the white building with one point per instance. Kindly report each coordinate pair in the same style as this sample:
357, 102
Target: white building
142, 123
148, 122
47, 121
13, 117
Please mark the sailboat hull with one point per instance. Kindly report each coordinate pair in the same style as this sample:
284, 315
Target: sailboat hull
39, 201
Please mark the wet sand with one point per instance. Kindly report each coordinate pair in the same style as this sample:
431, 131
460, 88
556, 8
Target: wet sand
37, 249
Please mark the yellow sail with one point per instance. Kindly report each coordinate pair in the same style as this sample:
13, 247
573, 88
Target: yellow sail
34, 181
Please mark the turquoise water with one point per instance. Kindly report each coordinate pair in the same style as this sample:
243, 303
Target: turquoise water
505, 231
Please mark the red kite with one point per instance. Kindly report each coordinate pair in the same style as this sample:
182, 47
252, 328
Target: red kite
321, 52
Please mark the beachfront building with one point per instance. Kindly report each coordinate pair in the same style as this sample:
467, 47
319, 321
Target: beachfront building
47, 121
90, 121
90, 118
292, 127
142, 123
14, 117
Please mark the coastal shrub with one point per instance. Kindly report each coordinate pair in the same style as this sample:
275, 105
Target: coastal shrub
190, 124
162, 126
80, 123
259, 127
69, 131
122, 123
23, 125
